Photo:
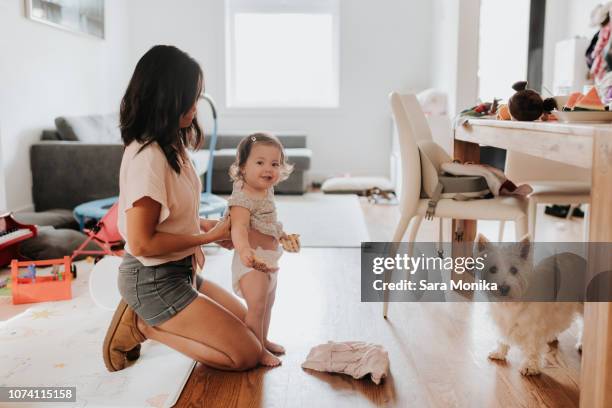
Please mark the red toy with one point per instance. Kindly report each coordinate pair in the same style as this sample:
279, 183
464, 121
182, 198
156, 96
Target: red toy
105, 234
11, 235
34, 288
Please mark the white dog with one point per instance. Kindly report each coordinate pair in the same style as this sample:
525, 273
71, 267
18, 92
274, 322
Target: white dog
528, 325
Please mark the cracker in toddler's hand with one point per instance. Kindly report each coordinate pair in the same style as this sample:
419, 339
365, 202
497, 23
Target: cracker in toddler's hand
260, 265
291, 243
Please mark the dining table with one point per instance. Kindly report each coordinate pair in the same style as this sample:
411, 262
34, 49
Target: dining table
586, 145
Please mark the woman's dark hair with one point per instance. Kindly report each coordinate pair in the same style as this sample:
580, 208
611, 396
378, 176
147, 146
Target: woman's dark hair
244, 150
165, 85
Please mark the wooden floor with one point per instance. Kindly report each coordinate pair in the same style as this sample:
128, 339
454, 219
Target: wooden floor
438, 351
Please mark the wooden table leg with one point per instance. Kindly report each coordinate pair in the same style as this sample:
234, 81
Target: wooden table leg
596, 371
464, 231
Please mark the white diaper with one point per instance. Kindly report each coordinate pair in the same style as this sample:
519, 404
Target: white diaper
269, 256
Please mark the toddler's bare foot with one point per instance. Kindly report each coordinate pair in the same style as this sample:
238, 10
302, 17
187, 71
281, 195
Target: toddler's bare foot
268, 359
274, 348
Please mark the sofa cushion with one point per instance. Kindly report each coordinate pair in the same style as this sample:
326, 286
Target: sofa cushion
66, 174
231, 139
53, 243
49, 134
57, 218
300, 158
90, 128
355, 185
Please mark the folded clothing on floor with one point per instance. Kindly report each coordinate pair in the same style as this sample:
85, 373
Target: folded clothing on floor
354, 358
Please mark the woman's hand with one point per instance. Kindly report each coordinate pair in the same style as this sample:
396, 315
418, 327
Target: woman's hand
227, 244
206, 224
220, 232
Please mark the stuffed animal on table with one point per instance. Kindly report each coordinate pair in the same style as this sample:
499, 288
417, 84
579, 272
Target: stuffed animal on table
527, 104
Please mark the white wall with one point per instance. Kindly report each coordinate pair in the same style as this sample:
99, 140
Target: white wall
454, 57
383, 47
445, 48
468, 50
579, 18
555, 30
47, 72
565, 19
3, 206
503, 36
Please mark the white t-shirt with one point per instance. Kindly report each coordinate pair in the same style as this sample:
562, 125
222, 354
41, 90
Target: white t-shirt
148, 174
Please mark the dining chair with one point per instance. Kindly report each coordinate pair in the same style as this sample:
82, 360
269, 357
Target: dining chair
552, 182
412, 129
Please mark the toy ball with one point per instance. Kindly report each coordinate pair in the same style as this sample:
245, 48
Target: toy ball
527, 104
103, 283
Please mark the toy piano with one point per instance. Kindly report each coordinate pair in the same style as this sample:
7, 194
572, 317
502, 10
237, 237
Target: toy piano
11, 234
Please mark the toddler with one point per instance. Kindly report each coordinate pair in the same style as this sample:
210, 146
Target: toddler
260, 165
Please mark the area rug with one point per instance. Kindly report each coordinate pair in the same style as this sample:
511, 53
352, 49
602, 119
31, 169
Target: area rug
323, 220
60, 344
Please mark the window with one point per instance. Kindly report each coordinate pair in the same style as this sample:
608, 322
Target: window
504, 36
282, 53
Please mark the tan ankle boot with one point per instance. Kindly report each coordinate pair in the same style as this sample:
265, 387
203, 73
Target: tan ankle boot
122, 342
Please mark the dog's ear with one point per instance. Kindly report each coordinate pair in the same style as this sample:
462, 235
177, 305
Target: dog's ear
481, 242
525, 247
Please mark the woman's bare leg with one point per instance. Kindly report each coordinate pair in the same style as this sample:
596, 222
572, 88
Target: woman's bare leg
255, 287
210, 334
224, 298
271, 346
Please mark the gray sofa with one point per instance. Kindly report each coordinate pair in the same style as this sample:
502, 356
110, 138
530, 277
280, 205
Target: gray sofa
295, 149
79, 162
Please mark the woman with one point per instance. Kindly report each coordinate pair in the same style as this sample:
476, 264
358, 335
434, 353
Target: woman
162, 296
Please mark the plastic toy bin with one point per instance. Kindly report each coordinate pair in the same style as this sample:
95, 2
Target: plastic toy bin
42, 288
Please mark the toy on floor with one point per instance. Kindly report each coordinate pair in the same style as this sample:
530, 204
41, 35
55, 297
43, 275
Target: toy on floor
377, 196
527, 105
31, 272
12, 233
31, 288
105, 234
103, 283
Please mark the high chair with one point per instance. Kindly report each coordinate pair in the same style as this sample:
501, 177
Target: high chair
412, 128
